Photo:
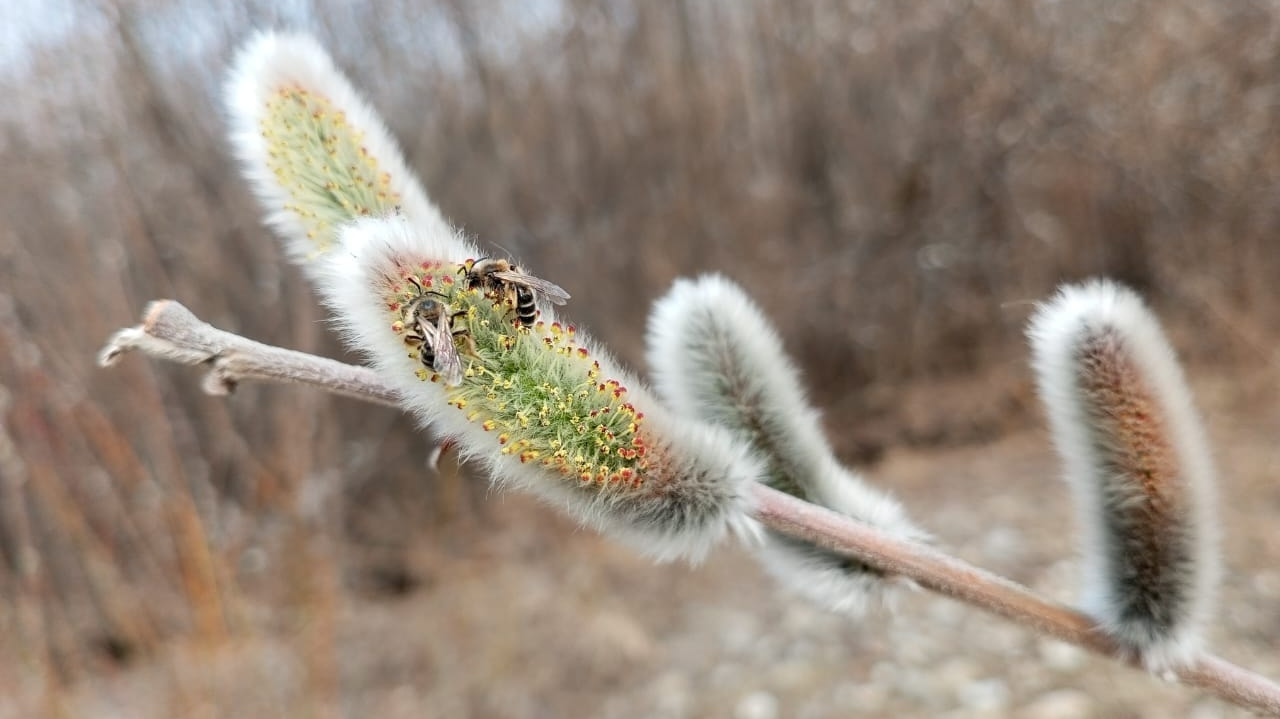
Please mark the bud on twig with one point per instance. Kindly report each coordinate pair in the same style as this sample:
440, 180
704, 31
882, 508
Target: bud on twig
716, 358
1138, 464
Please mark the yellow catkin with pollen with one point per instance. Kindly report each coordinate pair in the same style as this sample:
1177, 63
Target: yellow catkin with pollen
319, 159
485, 329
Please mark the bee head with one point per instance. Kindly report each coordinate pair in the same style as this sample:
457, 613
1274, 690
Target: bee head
427, 308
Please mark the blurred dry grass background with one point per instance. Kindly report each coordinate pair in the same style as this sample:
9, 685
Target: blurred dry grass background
894, 181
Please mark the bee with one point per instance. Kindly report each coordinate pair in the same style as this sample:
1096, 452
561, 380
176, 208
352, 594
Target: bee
504, 280
431, 329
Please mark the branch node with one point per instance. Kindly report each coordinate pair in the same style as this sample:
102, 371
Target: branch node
219, 382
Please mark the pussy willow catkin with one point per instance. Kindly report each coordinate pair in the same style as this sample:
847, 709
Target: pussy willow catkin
716, 358
1138, 464
541, 407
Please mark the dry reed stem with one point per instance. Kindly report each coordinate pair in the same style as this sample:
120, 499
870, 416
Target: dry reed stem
171, 331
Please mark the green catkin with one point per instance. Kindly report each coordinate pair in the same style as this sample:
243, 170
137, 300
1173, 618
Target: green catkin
321, 162
539, 394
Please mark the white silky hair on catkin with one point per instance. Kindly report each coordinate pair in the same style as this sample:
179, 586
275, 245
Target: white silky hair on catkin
272, 60
1154, 601
707, 470
715, 357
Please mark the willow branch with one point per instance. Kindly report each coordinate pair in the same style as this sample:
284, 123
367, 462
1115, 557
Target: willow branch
954, 578
170, 331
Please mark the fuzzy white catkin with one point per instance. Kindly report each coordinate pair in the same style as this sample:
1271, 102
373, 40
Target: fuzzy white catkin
715, 357
289, 170
1139, 467
693, 494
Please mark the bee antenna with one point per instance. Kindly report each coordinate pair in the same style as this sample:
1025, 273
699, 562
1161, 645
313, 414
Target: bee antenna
415, 284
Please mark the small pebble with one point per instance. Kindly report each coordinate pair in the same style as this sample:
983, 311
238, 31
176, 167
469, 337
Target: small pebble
1059, 704
1060, 656
1002, 544
1267, 583
1206, 709
757, 705
987, 695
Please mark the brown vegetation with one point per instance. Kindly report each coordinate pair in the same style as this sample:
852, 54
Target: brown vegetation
894, 181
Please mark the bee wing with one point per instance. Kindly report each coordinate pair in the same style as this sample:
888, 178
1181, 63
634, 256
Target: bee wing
447, 362
553, 292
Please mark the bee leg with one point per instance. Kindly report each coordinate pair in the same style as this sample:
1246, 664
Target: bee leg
470, 348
